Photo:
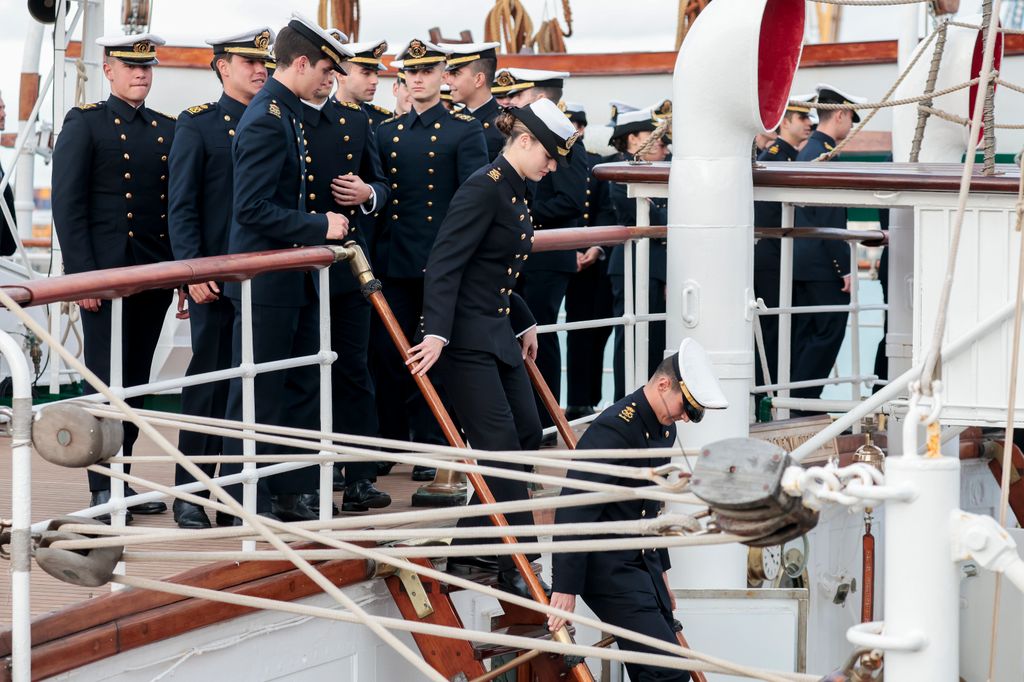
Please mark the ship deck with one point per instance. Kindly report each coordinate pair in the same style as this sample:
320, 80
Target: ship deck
57, 490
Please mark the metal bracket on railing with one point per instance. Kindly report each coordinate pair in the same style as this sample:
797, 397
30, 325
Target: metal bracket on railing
413, 587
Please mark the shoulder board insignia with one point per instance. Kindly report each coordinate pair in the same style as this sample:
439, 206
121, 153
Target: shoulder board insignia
462, 117
494, 174
774, 149
351, 105
382, 110
274, 110
199, 108
91, 105
627, 414
829, 147
167, 116
389, 120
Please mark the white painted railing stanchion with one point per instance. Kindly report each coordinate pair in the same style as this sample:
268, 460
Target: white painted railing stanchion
249, 484
326, 416
854, 326
21, 509
642, 293
628, 325
785, 301
118, 517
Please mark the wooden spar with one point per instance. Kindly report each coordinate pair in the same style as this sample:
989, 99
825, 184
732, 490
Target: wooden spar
552, 406
371, 288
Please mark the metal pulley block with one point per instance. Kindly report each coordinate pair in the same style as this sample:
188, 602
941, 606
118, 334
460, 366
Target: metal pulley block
87, 568
741, 480
68, 436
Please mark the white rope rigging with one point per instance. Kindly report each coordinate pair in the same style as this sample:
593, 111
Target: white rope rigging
705, 663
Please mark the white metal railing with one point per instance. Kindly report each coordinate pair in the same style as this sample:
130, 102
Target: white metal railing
785, 312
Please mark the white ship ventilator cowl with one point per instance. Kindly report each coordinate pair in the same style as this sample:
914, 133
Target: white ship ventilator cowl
732, 81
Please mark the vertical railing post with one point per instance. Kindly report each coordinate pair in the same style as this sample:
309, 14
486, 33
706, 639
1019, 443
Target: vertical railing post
249, 485
642, 290
785, 301
326, 395
629, 324
55, 361
854, 325
21, 509
118, 513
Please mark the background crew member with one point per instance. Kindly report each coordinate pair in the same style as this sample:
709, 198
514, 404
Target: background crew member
555, 202
400, 89
270, 213
8, 245
469, 73
427, 154
200, 193
359, 83
589, 295
632, 130
343, 174
471, 313
792, 133
821, 268
110, 210
629, 588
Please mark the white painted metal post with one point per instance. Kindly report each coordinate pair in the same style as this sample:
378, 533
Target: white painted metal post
921, 579
60, 51
21, 509
118, 515
785, 301
642, 290
854, 326
249, 485
24, 191
629, 323
327, 357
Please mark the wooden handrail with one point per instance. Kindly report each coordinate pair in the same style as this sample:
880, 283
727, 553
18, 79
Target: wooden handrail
610, 235
878, 177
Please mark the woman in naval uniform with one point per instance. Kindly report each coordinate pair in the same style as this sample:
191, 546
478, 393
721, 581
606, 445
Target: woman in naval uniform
474, 323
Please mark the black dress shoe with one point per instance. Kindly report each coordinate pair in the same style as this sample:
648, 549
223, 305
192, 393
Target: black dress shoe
363, 496
225, 520
578, 412
510, 581
99, 497
155, 507
384, 468
461, 565
339, 479
290, 508
190, 516
423, 473
312, 500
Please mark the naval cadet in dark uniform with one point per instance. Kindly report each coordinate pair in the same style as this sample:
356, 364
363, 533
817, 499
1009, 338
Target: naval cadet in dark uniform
427, 154
359, 84
629, 588
200, 194
793, 131
556, 201
8, 231
110, 210
471, 315
270, 213
470, 72
343, 174
821, 268
589, 295
631, 131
